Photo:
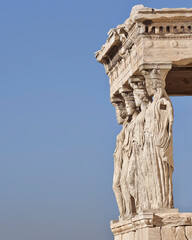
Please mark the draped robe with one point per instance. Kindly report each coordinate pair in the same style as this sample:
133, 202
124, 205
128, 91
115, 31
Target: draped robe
157, 154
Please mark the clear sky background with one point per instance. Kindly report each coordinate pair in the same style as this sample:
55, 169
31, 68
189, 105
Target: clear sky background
57, 126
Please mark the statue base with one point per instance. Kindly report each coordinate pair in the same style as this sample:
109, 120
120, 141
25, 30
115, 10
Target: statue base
162, 225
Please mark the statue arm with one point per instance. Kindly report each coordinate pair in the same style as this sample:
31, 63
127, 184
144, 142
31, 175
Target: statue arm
169, 125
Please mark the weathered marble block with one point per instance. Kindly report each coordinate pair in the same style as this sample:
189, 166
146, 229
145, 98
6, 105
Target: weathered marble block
154, 226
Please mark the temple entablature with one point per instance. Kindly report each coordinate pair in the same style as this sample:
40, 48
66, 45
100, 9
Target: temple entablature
150, 39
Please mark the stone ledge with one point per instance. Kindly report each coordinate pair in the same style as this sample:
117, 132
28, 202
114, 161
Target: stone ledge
151, 220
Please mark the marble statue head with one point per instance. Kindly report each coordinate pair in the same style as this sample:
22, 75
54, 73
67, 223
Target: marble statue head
139, 90
140, 96
129, 102
120, 109
154, 81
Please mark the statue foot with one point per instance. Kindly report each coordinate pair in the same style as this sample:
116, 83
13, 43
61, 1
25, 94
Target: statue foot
126, 216
121, 216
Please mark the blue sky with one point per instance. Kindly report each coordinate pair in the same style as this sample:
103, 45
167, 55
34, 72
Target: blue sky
58, 128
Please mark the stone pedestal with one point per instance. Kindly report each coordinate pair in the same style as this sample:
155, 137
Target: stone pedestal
154, 226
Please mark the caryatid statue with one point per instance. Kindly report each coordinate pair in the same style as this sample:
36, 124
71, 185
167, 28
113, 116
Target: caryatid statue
127, 94
158, 145
136, 173
121, 115
125, 112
